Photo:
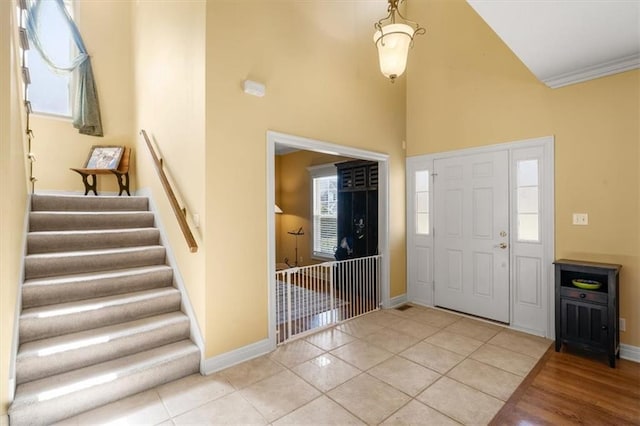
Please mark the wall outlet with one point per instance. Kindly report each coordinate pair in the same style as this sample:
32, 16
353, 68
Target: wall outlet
196, 220
623, 324
580, 219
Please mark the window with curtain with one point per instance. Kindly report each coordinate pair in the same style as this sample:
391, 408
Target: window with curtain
48, 36
49, 91
324, 186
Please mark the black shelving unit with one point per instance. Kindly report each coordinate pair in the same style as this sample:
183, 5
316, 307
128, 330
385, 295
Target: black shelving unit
358, 223
588, 319
358, 206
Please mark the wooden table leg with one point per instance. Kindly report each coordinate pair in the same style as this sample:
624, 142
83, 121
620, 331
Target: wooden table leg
93, 186
123, 182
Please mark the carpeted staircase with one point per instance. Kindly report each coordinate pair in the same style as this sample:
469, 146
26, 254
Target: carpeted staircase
100, 317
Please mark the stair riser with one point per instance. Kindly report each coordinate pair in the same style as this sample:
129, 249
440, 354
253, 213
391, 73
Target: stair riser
41, 295
43, 221
37, 367
39, 328
79, 203
49, 411
38, 267
53, 243
104, 300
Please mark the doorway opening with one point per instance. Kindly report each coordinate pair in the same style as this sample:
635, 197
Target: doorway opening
324, 268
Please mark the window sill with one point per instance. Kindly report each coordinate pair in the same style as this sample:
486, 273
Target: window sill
51, 116
327, 258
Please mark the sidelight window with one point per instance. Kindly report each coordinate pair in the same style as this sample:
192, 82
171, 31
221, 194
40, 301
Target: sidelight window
528, 200
422, 215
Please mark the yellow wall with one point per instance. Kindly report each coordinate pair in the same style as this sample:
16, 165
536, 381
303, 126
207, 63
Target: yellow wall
466, 89
293, 180
169, 40
322, 82
13, 187
183, 85
106, 30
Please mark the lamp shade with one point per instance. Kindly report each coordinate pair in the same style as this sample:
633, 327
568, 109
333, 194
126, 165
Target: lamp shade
393, 42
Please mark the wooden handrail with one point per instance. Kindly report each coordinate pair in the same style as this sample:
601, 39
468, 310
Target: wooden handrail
177, 210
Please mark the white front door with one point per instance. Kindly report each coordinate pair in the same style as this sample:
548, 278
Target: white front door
471, 226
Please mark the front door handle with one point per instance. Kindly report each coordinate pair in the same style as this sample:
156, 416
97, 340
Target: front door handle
501, 246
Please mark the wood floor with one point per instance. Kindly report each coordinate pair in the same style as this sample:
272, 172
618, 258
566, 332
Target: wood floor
571, 387
352, 305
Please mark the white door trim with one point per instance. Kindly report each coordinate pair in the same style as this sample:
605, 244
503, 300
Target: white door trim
307, 144
547, 220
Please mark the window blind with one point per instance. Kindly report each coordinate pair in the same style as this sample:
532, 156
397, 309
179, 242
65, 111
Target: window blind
325, 215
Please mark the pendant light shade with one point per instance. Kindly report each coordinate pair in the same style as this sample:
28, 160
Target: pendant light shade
393, 40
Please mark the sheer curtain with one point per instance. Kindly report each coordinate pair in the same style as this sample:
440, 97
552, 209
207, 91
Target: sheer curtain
86, 110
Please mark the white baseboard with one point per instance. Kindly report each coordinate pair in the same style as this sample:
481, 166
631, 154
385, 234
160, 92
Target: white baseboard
186, 306
394, 302
245, 353
628, 352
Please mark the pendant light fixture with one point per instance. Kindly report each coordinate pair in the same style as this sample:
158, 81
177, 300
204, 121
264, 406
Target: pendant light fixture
393, 38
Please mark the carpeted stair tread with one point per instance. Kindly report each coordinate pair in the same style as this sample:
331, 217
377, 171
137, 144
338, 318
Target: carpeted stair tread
62, 263
57, 241
61, 396
56, 355
74, 287
83, 203
101, 318
56, 320
72, 220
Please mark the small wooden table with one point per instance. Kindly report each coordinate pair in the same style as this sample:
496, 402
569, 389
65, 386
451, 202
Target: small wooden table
121, 173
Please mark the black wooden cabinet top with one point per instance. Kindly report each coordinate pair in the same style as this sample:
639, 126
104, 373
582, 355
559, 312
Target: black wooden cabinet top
585, 264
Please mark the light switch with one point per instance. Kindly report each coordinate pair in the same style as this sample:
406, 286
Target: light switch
580, 219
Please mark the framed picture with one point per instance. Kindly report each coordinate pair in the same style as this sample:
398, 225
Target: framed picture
104, 157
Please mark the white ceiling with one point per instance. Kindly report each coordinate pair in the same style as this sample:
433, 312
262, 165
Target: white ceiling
567, 41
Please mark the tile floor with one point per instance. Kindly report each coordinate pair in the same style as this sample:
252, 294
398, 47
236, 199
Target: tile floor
391, 367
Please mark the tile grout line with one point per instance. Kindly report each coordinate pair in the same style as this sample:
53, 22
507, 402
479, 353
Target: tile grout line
393, 354
468, 356
361, 372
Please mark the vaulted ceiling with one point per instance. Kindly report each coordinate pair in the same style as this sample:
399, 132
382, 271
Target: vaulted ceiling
564, 42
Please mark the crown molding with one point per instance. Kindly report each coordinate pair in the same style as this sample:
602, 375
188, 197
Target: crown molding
615, 66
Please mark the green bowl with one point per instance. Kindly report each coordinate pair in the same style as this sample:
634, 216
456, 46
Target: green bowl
587, 284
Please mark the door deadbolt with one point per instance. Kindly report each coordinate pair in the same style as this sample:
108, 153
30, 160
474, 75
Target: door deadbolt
503, 234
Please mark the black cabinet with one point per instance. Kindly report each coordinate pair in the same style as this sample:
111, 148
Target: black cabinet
358, 208
588, 317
